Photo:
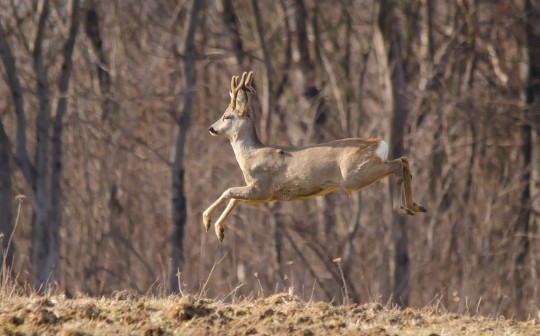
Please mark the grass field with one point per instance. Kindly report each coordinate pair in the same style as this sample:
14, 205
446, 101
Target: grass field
280, 314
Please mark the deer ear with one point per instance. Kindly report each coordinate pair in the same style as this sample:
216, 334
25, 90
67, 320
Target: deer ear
241, 101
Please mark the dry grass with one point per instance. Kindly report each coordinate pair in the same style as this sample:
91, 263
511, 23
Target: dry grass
131, 314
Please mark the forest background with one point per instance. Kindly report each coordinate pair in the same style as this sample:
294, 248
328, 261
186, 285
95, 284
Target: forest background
104, 110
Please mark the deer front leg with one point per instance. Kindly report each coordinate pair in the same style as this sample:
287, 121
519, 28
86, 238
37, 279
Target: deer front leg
207, 214
249, 193
398, 191
220, 223
409, 199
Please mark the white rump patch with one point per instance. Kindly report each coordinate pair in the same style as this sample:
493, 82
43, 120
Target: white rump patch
382, 150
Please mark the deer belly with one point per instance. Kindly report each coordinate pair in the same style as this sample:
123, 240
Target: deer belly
295, 191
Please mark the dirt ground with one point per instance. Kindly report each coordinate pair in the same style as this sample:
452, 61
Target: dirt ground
280, 314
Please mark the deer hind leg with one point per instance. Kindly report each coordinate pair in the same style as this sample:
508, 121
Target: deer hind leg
409, 199
398, 189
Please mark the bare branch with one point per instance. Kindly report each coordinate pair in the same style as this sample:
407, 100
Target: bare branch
335, 90
19, 22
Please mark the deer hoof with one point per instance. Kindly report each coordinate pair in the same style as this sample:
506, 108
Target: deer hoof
206, 221
403, 211
418, 208
221, 235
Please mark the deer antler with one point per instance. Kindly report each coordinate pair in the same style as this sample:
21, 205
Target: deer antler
236, 87
245, 84
248, 86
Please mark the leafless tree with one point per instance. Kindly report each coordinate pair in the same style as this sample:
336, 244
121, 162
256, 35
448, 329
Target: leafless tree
179, 204
391, 27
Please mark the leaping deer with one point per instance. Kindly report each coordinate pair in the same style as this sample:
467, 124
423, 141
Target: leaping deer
276, 173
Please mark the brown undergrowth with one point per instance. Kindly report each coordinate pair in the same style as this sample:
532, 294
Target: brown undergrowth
282, 314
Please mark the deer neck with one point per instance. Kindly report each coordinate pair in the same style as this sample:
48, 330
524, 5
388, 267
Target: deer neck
246, 143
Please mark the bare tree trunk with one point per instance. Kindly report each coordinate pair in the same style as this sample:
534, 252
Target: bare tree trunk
532, 100
56, 173
533, 76
93, 33
388, 20
231, 23
310, 98
6, 225
309, 69
179, 208
100, 210
348, 252
268, 102
288, 52
275, 220
356, 117
21, 153
347, 85
382, 287
267, 109
45, 270
426, 52
306, 63
522, 225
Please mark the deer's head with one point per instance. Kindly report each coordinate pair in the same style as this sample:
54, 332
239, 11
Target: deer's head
237, 118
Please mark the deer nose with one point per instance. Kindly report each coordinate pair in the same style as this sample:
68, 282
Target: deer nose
212, 130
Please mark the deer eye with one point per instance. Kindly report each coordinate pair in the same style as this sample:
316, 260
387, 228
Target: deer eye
227, 117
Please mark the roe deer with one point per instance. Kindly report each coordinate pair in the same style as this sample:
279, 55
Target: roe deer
275, 173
